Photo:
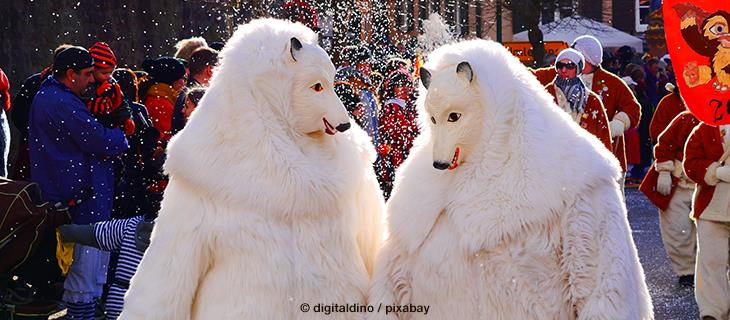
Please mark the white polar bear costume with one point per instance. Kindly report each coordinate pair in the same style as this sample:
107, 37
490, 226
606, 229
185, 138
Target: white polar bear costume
531, 224
264, 211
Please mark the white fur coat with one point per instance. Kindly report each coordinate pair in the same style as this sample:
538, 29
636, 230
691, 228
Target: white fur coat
257, 218
531, 226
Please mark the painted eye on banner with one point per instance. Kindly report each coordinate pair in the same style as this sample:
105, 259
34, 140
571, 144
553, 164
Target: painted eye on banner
718, 29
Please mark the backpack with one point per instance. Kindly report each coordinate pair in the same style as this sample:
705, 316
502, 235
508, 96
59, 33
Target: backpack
25, 222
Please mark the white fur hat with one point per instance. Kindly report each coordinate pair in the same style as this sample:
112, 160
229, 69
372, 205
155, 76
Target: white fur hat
590, 47
573, 55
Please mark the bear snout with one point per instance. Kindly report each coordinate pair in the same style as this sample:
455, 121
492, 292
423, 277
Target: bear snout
440, 165
343, 127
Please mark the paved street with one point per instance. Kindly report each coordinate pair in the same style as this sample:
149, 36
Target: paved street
671, 301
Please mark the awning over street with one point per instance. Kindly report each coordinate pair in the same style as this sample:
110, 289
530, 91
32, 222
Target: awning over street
570, 28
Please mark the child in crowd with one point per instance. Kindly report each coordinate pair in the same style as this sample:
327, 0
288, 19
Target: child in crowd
128, 237
192, 98
104, 98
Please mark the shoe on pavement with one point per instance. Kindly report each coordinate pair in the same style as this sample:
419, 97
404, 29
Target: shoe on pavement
687, 280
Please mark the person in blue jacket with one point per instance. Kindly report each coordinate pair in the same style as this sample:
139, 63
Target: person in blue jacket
70, 158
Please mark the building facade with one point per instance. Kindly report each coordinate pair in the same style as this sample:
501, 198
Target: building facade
468, 18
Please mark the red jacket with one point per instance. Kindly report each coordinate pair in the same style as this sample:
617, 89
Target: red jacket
667, 109
160, 102
397, 128
545, 75
593, 119
616, 97
701, 154
667, 152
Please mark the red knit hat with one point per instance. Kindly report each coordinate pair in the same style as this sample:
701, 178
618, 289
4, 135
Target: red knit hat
103, 56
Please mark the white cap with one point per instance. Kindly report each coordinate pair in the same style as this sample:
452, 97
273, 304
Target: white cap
573, 55
591, 49
666, 57
629, 81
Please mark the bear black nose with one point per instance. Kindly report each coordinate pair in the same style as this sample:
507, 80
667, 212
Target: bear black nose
440, 165
343, 127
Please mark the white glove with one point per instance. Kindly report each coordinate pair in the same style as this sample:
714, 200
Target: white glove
723, 173
664, 183
617, 128
619, 124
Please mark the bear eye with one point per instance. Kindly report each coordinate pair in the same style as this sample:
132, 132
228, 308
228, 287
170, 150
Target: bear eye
433, 120
718, 28
317, 87
454, 116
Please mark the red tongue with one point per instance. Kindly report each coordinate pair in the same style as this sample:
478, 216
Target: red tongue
455, 161
328, 128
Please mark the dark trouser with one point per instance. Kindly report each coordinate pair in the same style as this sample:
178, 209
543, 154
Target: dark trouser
645, 147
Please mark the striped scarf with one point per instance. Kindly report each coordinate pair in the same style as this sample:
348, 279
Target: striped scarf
575, 92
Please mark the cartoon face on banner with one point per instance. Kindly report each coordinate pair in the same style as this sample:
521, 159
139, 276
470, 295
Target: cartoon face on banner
698, 39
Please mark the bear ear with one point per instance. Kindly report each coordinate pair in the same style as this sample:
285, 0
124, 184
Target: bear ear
425, 77
464, 70
294, 47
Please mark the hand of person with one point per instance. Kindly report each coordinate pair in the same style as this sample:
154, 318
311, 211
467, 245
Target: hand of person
106, 85
121, 115
117, 95
617, 128
664, 183
128, 127
723, 173
158, 152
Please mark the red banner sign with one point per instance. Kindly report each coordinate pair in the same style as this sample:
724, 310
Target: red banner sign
523, 49
698, 39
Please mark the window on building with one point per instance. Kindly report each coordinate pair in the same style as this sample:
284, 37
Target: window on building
643, 8
423, 9
436, 6
404, 15
478, 13
463, 15
450, 13
422, 13
518, 20
409, 16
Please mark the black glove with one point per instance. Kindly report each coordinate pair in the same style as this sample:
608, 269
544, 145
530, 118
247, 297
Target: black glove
121, 115
142, 234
